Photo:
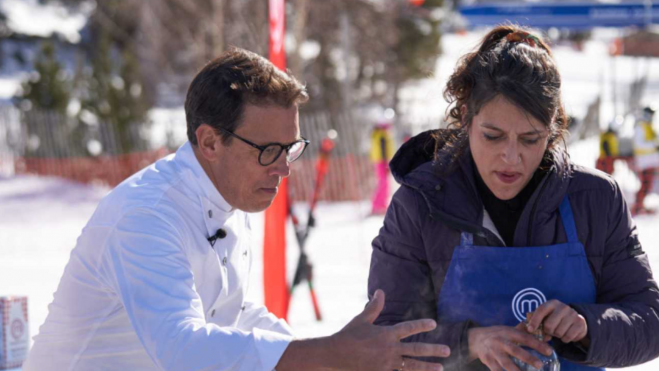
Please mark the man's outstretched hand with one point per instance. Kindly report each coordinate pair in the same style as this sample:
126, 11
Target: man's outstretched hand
363, 346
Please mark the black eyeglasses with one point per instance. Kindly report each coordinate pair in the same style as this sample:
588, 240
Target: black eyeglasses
269, 153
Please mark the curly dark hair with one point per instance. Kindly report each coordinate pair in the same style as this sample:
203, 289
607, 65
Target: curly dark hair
513, 63
218, 94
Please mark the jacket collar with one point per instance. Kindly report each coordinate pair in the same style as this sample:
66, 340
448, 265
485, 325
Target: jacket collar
215, 208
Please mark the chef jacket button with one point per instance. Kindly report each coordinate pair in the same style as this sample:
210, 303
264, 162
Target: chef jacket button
210, 213
438, 187
224, 261
242, 308
213, 313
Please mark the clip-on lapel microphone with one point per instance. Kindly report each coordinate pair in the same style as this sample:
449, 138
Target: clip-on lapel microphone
220, 234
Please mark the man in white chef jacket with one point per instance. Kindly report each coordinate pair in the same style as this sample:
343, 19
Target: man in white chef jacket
158, 278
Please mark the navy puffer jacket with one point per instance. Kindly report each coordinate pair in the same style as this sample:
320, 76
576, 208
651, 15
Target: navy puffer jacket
413, 250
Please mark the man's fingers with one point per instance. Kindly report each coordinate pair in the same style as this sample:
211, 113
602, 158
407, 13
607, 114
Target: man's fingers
373, 308
425, 350
409, 328
414, 365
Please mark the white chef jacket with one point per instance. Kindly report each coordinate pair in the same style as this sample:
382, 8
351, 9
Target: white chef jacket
145, 290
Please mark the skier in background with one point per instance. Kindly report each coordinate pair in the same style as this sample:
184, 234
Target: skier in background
382, 150
646, 157
609, 146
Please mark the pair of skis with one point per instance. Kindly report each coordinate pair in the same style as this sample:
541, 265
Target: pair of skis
304, 269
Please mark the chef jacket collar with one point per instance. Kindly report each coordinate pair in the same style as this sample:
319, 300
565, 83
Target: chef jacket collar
216, 209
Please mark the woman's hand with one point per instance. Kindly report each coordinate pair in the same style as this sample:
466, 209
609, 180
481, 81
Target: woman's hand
560, 321
495, 346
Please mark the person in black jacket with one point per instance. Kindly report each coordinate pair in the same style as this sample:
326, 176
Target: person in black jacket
493, 221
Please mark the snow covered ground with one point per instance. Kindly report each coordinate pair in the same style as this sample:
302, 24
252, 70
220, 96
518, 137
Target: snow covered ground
40, 219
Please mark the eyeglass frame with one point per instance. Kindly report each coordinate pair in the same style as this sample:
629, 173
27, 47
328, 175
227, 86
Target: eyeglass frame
261, 149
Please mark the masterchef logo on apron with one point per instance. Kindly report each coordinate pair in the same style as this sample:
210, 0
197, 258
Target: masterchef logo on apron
526, 301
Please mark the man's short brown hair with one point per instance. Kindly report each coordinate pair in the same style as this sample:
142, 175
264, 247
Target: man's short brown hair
218, 94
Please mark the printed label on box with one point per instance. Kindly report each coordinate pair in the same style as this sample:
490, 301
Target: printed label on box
14, 332
18, 334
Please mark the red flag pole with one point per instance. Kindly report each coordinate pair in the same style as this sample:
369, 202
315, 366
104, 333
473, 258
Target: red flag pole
274, 241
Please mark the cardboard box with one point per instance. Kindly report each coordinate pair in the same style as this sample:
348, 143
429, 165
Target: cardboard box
14, 331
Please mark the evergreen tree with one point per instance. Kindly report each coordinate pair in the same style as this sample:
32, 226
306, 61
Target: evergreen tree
43, 100
114, 95
48, 87
367, 50
131, 104
419, 41
418, 45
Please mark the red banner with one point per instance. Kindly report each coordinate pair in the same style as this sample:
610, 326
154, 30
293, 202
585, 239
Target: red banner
275, 287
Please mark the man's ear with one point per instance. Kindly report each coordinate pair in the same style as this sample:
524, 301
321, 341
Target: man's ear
208, 142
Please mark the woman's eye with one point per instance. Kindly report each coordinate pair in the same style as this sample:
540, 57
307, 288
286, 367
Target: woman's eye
530, 142
491, 137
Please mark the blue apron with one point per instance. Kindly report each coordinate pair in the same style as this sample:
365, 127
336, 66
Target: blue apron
499, 285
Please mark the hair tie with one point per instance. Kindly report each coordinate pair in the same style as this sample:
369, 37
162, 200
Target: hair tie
524, 37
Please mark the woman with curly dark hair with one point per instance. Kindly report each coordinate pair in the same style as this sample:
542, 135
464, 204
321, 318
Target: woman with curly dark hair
493, 222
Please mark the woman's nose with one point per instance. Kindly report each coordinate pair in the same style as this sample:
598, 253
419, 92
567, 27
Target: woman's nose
510, 154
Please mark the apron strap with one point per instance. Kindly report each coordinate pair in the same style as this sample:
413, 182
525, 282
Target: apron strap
466, 239
568, 220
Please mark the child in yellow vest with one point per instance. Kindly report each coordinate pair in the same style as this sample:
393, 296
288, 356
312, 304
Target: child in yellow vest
646, 157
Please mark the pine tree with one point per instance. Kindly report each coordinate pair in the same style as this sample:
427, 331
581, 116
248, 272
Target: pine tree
129, 100
48, 87
115, 95
419, 41
43, 100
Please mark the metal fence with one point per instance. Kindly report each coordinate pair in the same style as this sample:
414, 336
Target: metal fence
50, 144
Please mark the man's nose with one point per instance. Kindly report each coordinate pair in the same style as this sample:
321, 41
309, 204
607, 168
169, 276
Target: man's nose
281, 167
